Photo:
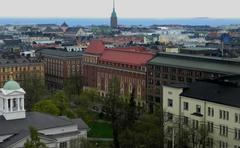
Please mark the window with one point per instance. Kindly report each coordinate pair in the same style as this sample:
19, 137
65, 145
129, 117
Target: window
63, 145
223, 130
210, 127
170, 103
223, 115
185, 120
237, 118
170, 116
210, 112
198, 109
223, 144
185, 105
195, 124
210, 142
237, 134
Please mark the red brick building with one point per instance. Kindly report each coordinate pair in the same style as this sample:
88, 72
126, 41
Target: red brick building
128, 64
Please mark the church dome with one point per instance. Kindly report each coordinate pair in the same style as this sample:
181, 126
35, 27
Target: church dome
11, 85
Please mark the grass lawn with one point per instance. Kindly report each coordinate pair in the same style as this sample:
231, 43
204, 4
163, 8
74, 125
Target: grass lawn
100, 130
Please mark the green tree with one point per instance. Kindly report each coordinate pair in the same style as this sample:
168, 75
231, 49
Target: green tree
46, 106
34, 141
73, 85
114, 108
35, 87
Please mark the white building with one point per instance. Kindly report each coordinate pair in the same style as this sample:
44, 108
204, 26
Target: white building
211, 105
54, 131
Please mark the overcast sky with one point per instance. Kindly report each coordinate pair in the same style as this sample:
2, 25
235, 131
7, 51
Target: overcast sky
125, 8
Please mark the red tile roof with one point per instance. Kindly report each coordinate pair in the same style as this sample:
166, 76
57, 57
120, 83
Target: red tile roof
126, 56
130, 55
95, 47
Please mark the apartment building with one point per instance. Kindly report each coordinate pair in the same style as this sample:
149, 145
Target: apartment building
19, 67
60, 65
167, 68
212, 106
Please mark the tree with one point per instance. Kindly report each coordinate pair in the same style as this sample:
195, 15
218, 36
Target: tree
114, 108
46, 106
144, 133
73, 85
35, 88
131, 111
34, 141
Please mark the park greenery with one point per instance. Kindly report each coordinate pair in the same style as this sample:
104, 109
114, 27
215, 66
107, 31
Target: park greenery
127, 124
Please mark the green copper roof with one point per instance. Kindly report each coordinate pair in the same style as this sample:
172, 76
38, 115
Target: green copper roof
11, 85
114, 14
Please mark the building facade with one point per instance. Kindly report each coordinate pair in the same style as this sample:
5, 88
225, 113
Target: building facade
60, 65
167, 68
128, 64
211, 106
20, 67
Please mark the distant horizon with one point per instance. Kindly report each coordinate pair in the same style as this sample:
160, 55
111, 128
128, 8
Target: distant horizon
80, 21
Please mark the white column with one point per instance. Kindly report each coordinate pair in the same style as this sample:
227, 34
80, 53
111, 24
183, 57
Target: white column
18, 104
23, 104
11, 105
6, 105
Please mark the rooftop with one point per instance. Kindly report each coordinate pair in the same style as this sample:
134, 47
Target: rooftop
217, 91
60, 53
37, 120
12, 59
203, 63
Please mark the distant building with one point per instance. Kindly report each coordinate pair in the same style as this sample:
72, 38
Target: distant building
114, 20
64, 27
54, 131
59, 65
20, 67
210, 105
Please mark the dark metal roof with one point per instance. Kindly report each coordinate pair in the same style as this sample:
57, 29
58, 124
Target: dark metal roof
60, 53
37, 120
222, 92
209, 64
19, 128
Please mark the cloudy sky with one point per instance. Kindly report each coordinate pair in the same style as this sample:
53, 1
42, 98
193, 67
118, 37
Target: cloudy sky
125, 8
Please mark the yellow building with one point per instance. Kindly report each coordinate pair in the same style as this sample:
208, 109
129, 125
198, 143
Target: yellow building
19, 67
209, 109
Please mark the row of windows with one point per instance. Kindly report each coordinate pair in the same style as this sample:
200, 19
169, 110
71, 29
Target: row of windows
224, 115
26, 68
223, 129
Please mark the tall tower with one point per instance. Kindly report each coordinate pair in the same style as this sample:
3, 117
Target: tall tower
114, 21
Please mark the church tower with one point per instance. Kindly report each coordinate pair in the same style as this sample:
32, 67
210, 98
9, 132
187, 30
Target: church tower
12, 101
114, 21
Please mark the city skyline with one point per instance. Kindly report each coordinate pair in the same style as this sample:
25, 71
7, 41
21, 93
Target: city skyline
124, 8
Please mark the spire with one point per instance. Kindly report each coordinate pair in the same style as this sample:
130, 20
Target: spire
113, 5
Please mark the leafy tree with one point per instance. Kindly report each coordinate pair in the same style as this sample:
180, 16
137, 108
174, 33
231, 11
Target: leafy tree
47, 106
114, 107
144, 133
35, 88
131, 111
34, 141
73, 85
